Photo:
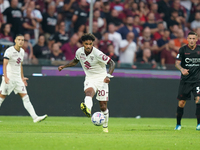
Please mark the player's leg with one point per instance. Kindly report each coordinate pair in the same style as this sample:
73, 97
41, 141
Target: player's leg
29, 107
105, 111
86, 106
179, 113
2, 98
183, 95
197, 101
90, 90
102, 97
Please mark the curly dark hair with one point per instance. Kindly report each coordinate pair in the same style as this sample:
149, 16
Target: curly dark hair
88, 36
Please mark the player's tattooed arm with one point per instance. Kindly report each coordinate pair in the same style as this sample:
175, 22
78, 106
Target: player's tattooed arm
111, 64
70, 64
178, 66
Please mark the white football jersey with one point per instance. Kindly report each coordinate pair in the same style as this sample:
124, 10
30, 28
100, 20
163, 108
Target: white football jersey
14, 63
94, 64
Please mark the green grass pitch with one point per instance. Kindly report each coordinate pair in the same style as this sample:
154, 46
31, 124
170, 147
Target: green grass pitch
78, 133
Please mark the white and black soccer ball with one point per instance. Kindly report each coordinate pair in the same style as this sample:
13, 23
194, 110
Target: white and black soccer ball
98, 118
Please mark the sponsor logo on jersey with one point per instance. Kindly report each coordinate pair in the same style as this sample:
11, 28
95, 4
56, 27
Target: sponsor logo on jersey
187, 53
82, 57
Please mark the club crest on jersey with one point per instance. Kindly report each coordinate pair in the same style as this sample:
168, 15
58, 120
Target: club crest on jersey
92, 58
104, 57
198, 52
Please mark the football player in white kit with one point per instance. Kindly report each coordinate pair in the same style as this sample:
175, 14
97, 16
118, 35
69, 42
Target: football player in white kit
94, 63
13, 77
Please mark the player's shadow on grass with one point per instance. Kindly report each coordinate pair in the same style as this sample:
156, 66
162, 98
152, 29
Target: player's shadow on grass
149, 129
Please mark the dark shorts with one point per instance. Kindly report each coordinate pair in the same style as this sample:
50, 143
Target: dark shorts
185, 89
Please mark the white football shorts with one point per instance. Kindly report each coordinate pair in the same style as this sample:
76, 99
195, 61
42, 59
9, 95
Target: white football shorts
100, 87
16, 85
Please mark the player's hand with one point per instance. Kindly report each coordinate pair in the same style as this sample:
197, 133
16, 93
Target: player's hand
6, 80
60, 68
24, 80
185, 72
107, 80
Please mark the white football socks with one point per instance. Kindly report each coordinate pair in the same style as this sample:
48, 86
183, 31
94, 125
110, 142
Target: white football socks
29, 106
88, 102
1, 100
106, 114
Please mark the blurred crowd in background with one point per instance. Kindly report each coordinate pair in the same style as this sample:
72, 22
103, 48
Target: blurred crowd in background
133, 33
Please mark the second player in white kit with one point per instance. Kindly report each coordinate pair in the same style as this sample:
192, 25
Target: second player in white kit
13, 78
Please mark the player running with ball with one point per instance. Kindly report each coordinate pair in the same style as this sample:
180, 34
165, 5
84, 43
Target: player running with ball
13, 77
94, 63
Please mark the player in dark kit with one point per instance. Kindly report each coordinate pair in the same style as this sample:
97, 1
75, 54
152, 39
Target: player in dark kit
188, 62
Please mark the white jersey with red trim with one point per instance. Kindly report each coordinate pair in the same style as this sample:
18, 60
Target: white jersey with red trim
94, 64
14, 62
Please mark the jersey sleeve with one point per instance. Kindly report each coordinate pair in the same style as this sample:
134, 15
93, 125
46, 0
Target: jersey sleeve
102, 57
180, 54
7, 54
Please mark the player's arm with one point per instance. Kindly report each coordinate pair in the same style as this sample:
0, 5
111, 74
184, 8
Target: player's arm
70, 64
22, 76
5, 63
111, 64
178, 66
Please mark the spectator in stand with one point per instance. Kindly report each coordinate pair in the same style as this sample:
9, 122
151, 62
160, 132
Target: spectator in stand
154, 9
196, 23
119, 7
147, 37
95, 30
41, 50
180, 41
151, 23
36, 14
28, 55
80, 15
40, 5
128, 28
174, 19
163, 9
106, 13
143, 11
104, 43
101, 21
56, 55
60, 37
198, 33
3, 5
111, 53
132, 10
69, 8
174, 31
49, 22
181, 11
115, 20
147, 58
14, 17
168, 55
69, 48
29, 25
115, 37
162, 43
157, 35
137, 25
194, 8
128, 49
5, 32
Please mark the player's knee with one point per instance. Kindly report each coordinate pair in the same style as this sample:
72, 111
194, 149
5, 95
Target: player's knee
103, 106
197, 100
182, 103
25, 98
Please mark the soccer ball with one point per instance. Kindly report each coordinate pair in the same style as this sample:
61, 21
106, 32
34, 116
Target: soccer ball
98, 118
